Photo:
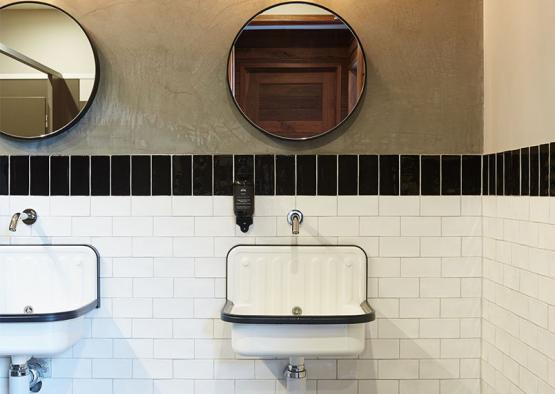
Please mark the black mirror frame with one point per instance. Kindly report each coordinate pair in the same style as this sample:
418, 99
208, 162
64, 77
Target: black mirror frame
230, 90
85, 109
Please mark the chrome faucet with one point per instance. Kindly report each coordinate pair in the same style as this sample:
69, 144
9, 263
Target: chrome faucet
28, 216
295, 218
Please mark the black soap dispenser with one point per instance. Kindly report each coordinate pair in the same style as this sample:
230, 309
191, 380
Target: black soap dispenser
243, 203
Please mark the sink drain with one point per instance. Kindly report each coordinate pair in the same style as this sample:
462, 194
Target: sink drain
28, 310
297, 311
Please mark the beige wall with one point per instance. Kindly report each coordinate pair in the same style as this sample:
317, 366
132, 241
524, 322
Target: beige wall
163, 86
519, 68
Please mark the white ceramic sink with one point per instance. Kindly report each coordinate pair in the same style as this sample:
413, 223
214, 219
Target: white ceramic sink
292, 301
45, 291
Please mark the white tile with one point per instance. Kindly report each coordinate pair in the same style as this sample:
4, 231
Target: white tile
174, 348
357, 369
152, 369
420, 348
173, 308
440, 206
255, 387
471, 205
399, 206
316, 205
152, 287
214, 226
439, 328
193, 328
111, 368
152, 247
419, 307
135, 386
110, 206
335, 226
133, 348
380, 226
223, 205
398, 369
132, 307
419, 387
399, 247
398, 287
13, 204
262, 227
213, 349
173, 267
274, 205
152, 328
70, 206
193, 369
58, 227
151, 205
337, 386
421, 267
133, 226
440, 287
439, 369
420, 226
440, 246
193, 247
357, 205
174, 226
192, 206
133, 267
91, 226
111, 328
468, 226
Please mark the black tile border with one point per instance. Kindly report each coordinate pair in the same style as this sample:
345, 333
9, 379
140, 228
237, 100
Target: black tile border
528, 171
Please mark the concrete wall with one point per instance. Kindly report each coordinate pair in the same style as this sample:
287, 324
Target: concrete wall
519, 59
163, 87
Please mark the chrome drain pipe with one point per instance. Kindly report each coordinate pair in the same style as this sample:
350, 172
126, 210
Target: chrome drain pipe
25, 375
295, 374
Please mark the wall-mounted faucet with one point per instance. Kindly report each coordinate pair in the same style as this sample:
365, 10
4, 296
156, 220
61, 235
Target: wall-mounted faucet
28, 216
295, 218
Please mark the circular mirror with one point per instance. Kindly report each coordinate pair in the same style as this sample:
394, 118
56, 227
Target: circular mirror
48, 70
296, 71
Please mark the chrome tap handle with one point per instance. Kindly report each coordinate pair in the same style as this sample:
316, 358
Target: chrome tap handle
295, 218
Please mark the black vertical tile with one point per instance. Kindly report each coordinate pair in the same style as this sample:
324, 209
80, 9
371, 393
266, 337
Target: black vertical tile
544, 170
121, 175
285, 175
451, 175
161, 175
499, 174
244, 168
19, 175
485, 175
431, 175
534, 171
140, 175
348, 175
100, 175
492, 175
327, 175
182, 175
4, 168
264, 175
306, 175
410, 175
79, 170
202, 175
472, 175
552, 169
40, 176
223, 175
508, 175
525, 172
389, 175
59, 176
515, 170
368, 175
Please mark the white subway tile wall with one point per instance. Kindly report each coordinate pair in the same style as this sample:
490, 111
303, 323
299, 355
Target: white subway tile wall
163, 284
518, 346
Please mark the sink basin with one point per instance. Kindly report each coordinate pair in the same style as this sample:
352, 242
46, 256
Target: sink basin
45, 291
285, 300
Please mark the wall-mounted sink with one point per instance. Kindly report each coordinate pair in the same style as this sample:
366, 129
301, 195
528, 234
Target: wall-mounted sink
45, 291
297, 300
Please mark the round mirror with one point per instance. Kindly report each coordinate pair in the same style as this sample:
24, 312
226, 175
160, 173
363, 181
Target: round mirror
48, 70
296, 71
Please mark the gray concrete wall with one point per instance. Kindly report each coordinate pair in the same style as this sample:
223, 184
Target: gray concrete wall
163, 87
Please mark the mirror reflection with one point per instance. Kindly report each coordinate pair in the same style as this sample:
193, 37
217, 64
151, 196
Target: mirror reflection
48, 70
296, 71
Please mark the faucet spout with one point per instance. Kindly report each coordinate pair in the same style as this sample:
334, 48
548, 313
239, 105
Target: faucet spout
13, 221
295, 218
28, 216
